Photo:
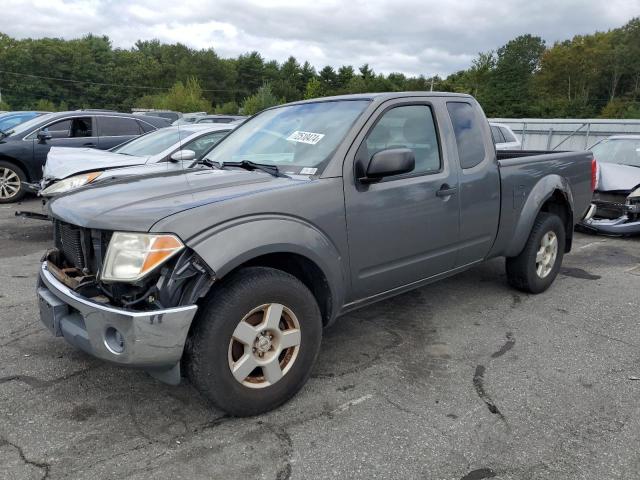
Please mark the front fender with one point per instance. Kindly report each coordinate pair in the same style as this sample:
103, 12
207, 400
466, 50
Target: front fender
231, 244
540, 193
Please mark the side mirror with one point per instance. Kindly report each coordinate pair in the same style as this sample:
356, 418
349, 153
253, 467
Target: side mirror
385, 163
43, 136
183, 155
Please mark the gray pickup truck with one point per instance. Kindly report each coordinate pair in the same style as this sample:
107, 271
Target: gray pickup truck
229, 272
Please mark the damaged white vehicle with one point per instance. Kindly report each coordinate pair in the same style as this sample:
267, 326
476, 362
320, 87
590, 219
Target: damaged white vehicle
615, 209
171, 148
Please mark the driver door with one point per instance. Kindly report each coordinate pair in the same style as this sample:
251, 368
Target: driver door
402, 229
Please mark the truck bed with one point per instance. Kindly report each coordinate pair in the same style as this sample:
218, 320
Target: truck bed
524, 175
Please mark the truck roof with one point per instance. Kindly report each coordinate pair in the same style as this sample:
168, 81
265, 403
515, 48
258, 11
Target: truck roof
384, 96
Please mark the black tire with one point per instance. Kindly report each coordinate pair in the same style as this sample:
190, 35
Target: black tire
13, 171
522, 270
208, 348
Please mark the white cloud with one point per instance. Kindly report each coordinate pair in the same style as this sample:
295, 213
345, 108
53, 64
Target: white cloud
410, 36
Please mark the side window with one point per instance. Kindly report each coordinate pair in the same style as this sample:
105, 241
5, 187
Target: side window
410, 126
496, 133
466, 127
117, 126
81, 127
203, 144
146, 127
59, 129
508, 136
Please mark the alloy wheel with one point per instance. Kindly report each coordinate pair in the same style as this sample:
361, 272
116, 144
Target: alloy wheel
9, 183
264, 346
547, 253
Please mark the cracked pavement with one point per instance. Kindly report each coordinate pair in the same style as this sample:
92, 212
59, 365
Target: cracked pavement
463, 379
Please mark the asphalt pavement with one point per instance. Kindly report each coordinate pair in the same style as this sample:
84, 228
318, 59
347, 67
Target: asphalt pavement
463, 379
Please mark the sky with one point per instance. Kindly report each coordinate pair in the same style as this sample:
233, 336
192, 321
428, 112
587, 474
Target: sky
410, 36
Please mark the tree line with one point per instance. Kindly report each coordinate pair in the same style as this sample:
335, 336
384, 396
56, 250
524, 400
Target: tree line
596, 75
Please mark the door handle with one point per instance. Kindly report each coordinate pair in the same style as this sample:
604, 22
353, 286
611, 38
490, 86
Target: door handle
446, 191
91, 145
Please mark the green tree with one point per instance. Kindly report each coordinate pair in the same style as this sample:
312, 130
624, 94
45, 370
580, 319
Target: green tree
345, 74
588, 75
328, 78
509, 90
356, 85
366, 72
228, 108
263, 98
250, 71
315, 89
307, 72
181, 97
45, 105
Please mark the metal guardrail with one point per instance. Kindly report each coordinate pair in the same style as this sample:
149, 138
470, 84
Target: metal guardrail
576, 134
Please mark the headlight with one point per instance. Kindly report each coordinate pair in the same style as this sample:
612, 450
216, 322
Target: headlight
70, 183
130, 256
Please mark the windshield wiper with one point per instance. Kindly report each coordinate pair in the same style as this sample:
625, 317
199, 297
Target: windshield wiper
4, 133
206, 162
246, 164
249, 165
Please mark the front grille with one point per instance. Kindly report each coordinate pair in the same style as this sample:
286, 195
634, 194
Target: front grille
81, 248
69, 240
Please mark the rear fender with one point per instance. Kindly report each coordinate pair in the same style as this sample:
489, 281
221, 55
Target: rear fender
540, 193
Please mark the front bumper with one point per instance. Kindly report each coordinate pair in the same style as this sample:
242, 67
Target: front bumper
628, 223
152, 340
618, 226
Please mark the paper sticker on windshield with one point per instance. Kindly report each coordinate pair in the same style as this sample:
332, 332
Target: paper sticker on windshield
308, 171
305, 137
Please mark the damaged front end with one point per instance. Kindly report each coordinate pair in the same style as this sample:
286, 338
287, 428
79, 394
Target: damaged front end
616, 213
142, 323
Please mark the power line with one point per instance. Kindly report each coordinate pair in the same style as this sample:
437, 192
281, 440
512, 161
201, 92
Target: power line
69, 80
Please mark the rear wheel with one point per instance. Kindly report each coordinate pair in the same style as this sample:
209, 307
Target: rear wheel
11, 178
537, 266
255, 341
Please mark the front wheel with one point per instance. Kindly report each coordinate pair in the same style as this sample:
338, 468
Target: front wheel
537, 266
255, 341
11, 178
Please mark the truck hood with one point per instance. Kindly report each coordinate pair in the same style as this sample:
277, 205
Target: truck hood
63, 162
613, 176
141, 170
136, 203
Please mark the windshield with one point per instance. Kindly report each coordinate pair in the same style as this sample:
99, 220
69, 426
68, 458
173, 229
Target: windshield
297, 138
28, 125
625, 151
9, 121
154, 142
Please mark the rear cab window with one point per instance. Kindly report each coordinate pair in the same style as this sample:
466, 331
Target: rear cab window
468, 133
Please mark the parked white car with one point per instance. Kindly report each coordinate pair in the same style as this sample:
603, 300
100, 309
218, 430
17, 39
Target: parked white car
70, 168
503, 137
